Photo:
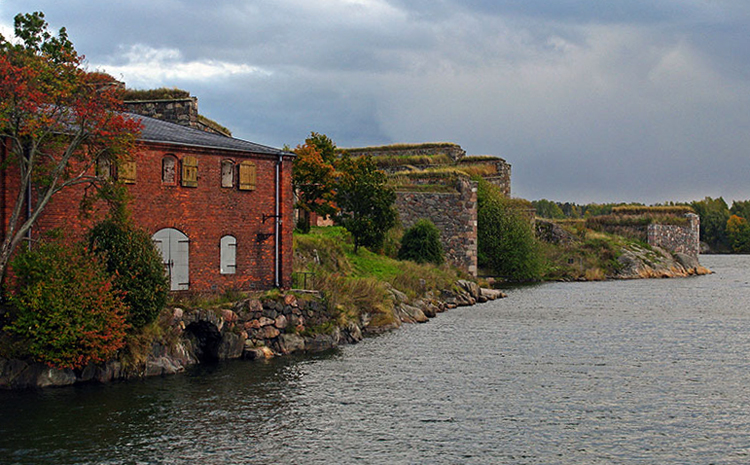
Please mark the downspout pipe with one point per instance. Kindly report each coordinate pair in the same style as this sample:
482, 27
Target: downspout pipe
277, 224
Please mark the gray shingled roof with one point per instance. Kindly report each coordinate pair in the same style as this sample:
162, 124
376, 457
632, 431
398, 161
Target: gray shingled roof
155, 130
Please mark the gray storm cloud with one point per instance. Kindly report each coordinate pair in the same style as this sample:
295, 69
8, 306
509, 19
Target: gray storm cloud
589, 101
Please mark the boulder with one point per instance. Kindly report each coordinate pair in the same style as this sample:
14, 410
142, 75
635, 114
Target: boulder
54, 377
492, 294
161, 366
352, 333
231, 346
398, 296
410, 314
268, 332
281, 322
688, 261
109, 371
470, 287
290, 343
257, 353
320, 343
265, 321
290, 300
229, 316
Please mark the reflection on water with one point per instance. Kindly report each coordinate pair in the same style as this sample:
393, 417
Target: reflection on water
651, 371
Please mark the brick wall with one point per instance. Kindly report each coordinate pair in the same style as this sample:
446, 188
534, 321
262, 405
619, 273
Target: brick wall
204, 213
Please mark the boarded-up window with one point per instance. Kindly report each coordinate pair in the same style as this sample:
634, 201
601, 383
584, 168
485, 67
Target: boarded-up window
247, 176
168, 170
228, 255
190, 172
126, 172
227, 173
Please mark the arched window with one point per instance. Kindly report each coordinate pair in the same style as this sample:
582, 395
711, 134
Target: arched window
104, 167
228, 255
168, 170
227, 173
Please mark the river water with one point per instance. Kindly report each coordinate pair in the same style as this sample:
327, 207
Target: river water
646, 372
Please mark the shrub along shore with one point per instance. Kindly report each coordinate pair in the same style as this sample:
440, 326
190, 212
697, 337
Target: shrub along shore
342, 297
350, 295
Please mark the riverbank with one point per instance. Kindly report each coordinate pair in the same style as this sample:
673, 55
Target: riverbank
356, 294
259, 327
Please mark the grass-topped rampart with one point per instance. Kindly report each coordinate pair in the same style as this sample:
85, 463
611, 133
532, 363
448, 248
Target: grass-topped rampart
633, 221
356, 285
403, 147
162, 93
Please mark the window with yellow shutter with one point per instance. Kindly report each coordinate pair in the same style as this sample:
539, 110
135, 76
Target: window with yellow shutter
190, 172
126, 172
247, 176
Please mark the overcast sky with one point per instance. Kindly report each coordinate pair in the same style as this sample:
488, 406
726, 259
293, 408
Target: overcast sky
588, 100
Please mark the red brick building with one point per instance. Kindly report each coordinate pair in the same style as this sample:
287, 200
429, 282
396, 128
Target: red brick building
218, 208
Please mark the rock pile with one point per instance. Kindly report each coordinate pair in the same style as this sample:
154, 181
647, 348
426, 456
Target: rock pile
251, 329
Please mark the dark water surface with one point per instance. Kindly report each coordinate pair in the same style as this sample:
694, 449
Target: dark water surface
651, 372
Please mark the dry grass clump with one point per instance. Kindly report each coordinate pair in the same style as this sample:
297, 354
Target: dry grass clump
661, 210
163, 93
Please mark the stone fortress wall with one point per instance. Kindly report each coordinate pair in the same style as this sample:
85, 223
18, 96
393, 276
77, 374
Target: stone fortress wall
677, 239
454, 214
449, 201
183, 111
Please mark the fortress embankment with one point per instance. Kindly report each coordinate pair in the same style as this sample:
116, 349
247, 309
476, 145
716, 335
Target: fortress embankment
675, 229
433, 181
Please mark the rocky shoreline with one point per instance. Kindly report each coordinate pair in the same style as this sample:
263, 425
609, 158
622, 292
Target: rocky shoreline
643, 263
294, 322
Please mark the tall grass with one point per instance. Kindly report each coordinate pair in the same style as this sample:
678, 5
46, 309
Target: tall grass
357, 285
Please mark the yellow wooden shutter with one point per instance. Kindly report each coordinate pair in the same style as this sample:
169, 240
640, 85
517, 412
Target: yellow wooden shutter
247, 176
126, 171
190, 172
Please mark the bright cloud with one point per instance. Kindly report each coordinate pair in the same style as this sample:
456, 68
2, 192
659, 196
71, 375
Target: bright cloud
144, 66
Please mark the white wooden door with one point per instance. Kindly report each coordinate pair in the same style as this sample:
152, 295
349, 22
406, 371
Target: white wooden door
175, 251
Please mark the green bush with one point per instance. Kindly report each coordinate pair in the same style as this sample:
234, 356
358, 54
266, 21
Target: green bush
507, 244
130, 256
65, 309
421, 244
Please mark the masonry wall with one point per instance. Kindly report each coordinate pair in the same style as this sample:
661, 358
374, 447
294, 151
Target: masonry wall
204, 213
180, 111
452, 150
502, 179
678, 239
454, 214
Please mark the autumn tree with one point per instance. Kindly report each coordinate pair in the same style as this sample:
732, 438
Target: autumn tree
741, 208
314, 181
57, 120
366, 201
738, 234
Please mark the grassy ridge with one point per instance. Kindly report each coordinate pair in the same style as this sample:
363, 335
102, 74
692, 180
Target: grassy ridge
357, 285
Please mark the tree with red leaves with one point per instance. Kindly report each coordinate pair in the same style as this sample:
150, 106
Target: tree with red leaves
57, 121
